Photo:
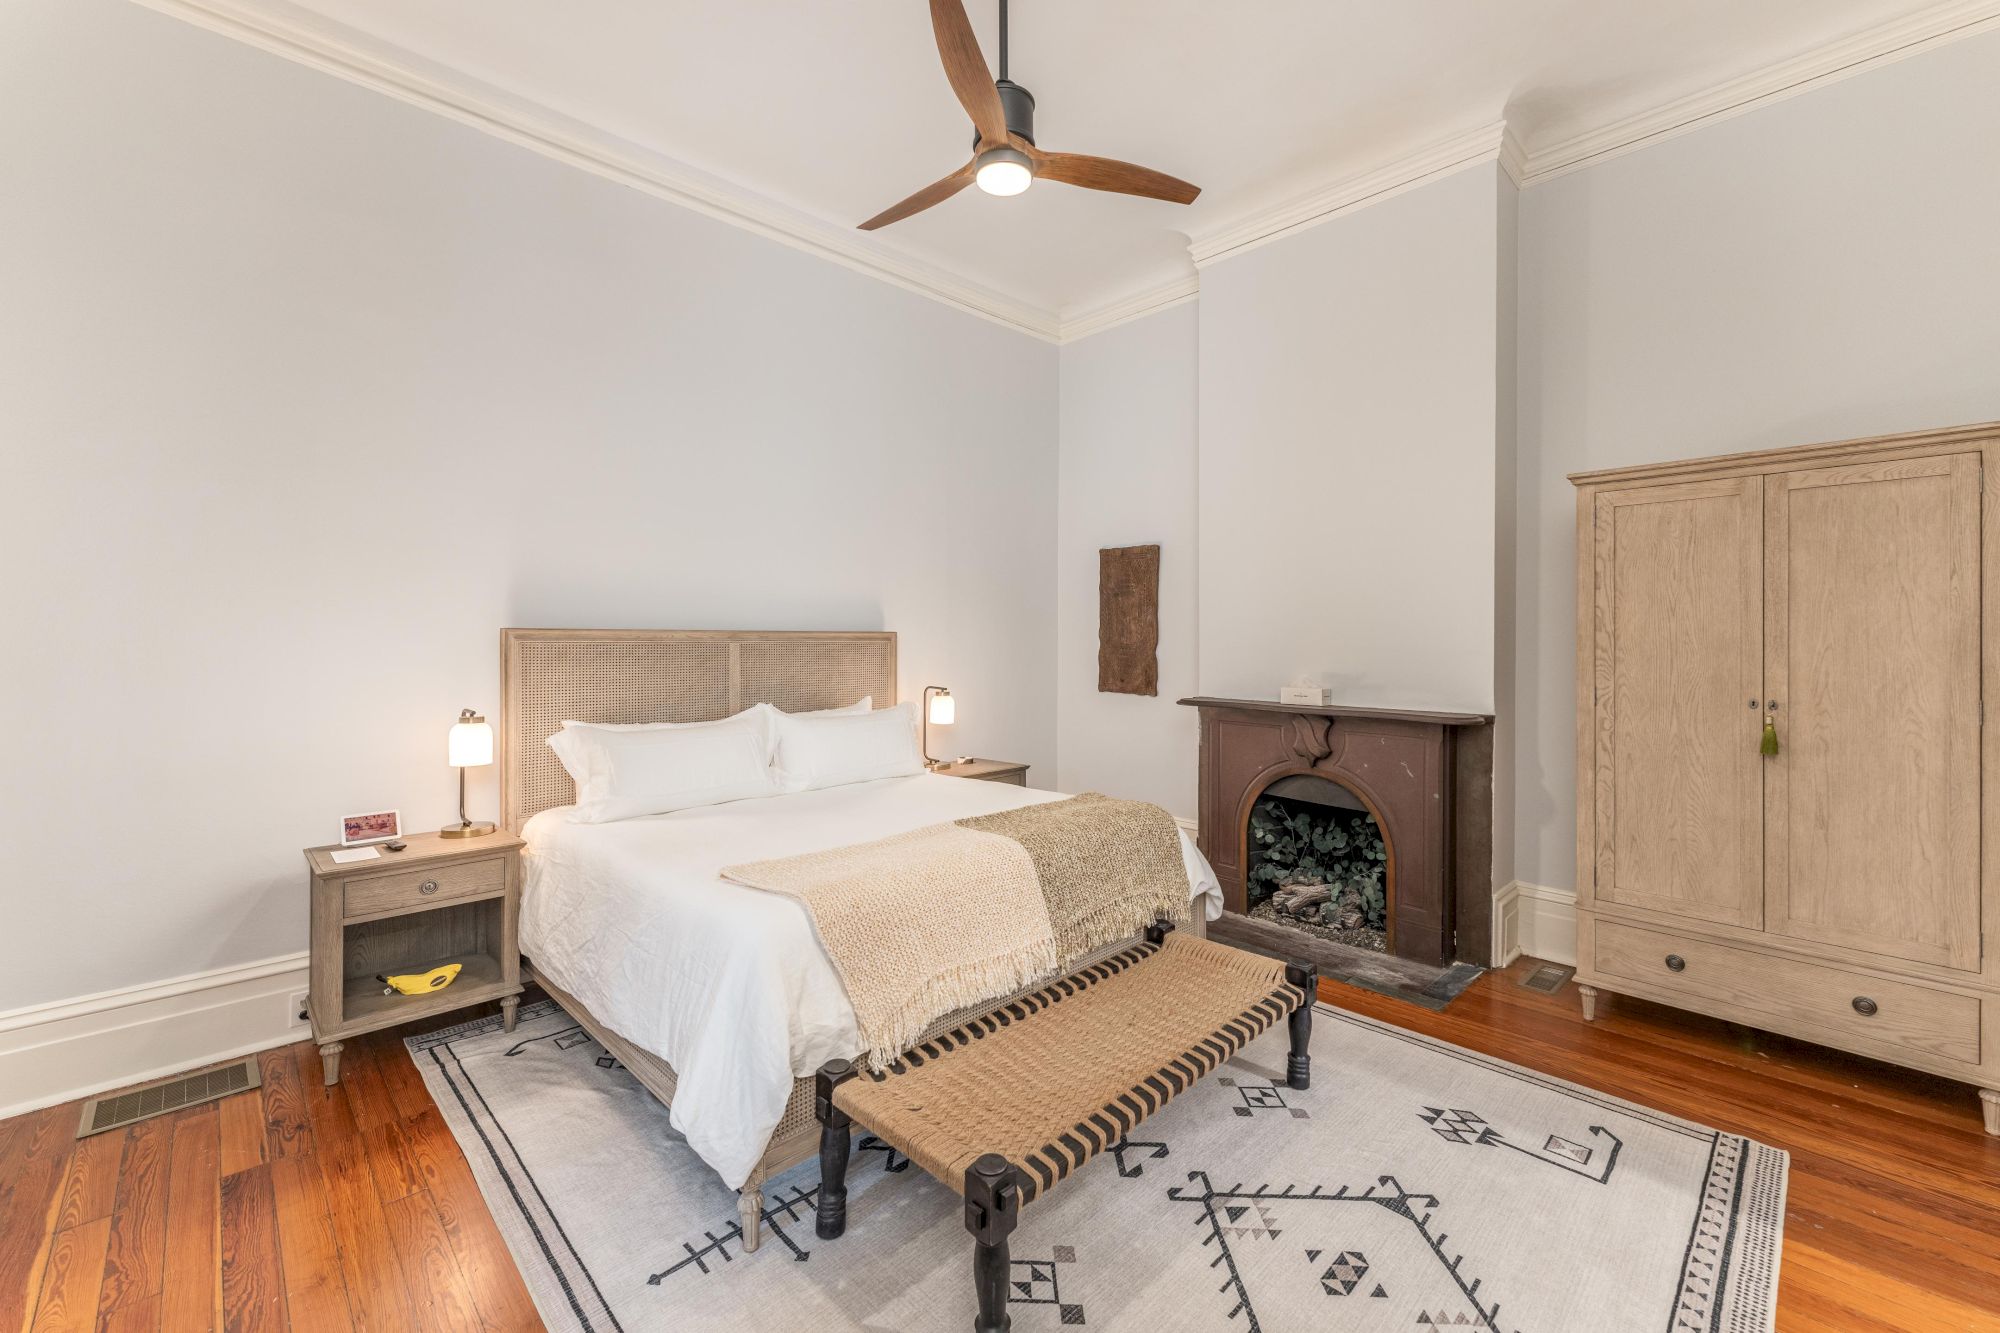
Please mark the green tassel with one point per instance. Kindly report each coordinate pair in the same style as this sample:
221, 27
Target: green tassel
1769, 745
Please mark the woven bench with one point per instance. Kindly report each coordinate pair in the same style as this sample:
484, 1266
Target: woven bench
1006, 1107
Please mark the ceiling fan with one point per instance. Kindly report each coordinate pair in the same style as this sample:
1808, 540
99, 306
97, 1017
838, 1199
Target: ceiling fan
1005, 159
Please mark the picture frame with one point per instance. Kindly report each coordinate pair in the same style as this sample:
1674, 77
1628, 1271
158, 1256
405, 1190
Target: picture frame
374, 826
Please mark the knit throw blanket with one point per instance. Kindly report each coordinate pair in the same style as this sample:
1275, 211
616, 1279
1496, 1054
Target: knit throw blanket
929, 922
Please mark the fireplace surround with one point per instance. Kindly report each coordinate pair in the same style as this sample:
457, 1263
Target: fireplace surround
1426, 777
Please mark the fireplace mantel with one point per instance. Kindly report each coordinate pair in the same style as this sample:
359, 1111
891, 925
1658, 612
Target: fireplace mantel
1427, 777
1343, 710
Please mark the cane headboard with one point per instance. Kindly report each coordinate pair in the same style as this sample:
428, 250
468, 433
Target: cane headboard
552, 676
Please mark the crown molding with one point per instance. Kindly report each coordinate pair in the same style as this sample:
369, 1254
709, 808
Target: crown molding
332, 48
1263, 225
284, 29
1151, 299
1513, 157
1903, 37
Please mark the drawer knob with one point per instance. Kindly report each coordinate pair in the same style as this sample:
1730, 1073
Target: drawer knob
1865, 1006
428, 886
1676, 963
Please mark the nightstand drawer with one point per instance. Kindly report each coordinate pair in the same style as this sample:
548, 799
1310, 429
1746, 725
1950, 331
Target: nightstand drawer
421, 888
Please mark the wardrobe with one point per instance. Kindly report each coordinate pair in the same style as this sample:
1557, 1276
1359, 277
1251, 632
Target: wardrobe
1782, 792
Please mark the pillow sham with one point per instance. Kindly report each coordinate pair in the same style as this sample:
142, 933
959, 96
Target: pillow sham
865, 704
624, 771
832, 751
572, 751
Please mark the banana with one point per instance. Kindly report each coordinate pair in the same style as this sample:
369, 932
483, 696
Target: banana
420, 983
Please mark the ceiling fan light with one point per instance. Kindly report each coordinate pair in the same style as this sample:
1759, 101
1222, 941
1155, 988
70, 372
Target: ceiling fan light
1004, 171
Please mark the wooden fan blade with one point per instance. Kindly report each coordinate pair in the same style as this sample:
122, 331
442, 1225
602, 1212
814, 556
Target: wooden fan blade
966, 68
934, 193
1104, 173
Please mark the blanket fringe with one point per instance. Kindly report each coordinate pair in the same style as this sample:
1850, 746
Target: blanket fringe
959, 988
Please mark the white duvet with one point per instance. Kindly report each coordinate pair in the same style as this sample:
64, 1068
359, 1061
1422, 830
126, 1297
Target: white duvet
728, 984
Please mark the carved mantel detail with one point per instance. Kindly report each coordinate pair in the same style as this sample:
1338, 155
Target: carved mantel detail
1427, 777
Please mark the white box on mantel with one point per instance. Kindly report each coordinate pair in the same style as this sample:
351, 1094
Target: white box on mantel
1311, 696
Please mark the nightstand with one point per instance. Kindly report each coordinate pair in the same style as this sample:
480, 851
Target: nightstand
440, 900
986, 770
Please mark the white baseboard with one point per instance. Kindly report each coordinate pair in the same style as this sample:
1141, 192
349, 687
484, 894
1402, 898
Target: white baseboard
51, 1053
1535, 920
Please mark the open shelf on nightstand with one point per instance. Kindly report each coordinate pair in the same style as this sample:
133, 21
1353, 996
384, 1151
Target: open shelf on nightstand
480, 978
467, 933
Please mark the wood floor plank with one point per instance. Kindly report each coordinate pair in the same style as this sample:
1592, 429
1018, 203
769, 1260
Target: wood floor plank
376, 1297
389, 1162
438, 1293
244, 1130
497, 1289
71, 1278
90, 1186
401, 1077
34, 1161
253, 1284
132, 1317
190, 1298
134, 1263
286, 1130
361, 1079
315, 1291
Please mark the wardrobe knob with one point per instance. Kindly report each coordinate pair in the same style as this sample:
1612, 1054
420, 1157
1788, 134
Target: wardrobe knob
1676, 963
428, 886
1865, 1006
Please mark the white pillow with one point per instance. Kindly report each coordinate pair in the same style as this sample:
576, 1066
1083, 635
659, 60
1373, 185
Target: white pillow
814, 752
865, 704
575, 755
623, 772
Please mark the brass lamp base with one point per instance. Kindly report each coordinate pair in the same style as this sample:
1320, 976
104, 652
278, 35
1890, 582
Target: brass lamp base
465, 830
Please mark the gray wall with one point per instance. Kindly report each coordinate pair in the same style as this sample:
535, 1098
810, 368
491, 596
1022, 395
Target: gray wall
1127, 479
1822, 268
305, 393
1347, 479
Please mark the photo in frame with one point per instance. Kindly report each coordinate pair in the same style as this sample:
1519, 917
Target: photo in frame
379, 826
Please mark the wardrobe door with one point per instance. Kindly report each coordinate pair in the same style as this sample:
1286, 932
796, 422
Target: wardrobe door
1872, 801
1677, 670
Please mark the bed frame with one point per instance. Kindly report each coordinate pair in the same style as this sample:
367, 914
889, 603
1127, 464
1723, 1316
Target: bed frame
549, 676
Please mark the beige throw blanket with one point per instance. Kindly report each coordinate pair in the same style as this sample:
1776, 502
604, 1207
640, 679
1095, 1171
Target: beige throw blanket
932, 921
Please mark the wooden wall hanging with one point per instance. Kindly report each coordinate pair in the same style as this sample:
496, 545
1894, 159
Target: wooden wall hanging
1128, 620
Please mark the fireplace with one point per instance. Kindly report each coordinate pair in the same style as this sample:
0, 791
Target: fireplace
1316, 861
1421, 782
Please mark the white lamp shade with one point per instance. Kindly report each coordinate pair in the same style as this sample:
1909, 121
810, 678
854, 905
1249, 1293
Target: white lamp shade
943, 710
470, 745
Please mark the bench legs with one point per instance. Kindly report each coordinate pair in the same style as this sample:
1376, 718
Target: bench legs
992, 1207
834, 1140
1298, 1065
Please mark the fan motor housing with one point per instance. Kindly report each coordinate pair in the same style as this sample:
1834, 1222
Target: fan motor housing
1019, 106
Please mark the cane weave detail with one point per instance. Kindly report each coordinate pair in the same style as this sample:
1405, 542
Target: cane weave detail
1053, 1078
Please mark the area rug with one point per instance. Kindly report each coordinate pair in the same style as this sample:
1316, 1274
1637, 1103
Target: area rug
1415, 1186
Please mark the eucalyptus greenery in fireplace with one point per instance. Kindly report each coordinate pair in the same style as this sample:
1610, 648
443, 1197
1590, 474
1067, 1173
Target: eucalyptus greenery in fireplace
1319, 866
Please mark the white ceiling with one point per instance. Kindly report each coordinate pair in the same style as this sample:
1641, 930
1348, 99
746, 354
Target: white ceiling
839, 109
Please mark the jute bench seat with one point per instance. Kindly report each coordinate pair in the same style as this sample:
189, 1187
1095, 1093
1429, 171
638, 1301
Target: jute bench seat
1006, 1107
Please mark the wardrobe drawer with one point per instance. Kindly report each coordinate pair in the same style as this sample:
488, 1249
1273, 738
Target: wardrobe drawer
422, 888
1816, 1001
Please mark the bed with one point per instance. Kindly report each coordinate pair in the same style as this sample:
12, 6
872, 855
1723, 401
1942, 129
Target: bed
717, 997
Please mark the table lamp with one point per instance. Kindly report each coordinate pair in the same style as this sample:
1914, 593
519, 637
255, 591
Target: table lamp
941, 709
469, 745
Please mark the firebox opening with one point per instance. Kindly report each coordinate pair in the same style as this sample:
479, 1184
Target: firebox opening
1318, 863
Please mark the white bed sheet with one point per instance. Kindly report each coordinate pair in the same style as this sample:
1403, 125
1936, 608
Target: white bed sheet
726, 983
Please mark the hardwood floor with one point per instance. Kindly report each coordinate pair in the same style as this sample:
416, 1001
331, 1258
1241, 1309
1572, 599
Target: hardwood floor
352, 1208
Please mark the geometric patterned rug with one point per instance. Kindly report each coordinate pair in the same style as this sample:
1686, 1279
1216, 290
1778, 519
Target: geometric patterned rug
1415, 1187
